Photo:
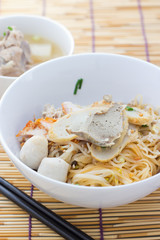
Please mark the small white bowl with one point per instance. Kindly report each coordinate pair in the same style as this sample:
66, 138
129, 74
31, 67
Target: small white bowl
5, 82
122, 77
39, 26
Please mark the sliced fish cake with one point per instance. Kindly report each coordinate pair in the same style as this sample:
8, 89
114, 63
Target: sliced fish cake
138, 116
68, 107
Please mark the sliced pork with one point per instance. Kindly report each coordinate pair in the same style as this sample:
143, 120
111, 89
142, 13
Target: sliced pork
15, 54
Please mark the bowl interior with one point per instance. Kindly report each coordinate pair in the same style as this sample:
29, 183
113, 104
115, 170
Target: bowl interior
5, 82
53, 82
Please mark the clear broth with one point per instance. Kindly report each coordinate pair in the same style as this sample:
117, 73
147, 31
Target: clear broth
54, 53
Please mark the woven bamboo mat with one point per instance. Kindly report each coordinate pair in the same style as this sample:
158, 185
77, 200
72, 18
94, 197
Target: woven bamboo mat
129, 27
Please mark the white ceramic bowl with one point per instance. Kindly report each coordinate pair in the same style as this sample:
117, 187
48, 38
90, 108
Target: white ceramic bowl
123, 77
39, 26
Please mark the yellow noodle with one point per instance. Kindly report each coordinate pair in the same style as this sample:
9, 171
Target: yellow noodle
139, 160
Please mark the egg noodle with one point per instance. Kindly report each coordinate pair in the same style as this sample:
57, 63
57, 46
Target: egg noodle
138, 160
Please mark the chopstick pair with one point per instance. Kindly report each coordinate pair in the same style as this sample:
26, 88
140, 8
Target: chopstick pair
43, 214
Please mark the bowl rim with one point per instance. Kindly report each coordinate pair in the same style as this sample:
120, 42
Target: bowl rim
42, 18
64, 184
7, 77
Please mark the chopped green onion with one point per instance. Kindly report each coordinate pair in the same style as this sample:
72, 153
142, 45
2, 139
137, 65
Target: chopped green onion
36, 38
10, 28
75, 165
4, 34
103, 147
78, 85
107, 179
129, 108
145, 125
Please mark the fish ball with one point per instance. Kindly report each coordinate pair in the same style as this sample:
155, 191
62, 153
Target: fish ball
33, 151
55, 168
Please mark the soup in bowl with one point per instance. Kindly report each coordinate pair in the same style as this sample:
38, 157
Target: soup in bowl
26, 41
88, 149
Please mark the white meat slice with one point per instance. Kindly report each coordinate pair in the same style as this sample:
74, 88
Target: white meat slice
33, 151
15, 55
59, 132
55, 168
108, 153
104, 128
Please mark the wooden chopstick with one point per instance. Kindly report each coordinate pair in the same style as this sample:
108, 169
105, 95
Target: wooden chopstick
43, 214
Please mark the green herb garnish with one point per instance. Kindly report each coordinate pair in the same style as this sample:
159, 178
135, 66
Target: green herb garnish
36, 38
78, 86
75, 165
145, 125
10, 28
4, 34
129, 108
107, 179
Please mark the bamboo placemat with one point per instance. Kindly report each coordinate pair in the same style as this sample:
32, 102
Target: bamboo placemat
128, 27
